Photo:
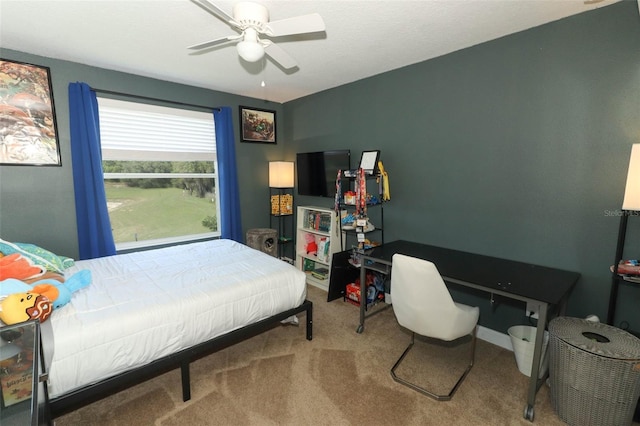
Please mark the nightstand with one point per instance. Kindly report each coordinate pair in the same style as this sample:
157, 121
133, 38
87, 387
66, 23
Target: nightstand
23, 388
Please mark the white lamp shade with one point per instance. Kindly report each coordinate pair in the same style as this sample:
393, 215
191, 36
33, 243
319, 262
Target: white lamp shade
250, 51
632, 190
281, 174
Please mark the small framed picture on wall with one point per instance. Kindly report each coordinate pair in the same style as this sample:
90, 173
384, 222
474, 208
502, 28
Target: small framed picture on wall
257, 125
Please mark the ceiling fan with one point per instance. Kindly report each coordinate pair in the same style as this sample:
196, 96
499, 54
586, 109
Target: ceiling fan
251, 21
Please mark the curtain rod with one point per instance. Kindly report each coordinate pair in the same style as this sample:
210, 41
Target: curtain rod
128, 95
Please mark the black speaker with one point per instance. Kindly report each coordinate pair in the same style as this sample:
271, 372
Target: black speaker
263, 239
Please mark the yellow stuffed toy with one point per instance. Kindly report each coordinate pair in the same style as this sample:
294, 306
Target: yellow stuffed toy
19, 307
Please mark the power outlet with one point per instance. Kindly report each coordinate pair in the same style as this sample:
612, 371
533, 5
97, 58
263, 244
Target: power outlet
532, 310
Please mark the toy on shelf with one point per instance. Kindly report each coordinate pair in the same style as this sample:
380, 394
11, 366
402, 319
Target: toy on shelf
629, 270
312, 246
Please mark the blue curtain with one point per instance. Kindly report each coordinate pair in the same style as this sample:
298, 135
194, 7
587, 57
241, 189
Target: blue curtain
94, 227
230, 220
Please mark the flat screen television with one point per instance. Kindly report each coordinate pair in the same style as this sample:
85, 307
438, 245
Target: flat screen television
317, 171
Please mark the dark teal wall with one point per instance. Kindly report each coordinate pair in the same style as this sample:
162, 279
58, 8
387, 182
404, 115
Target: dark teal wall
37, 203
516, 148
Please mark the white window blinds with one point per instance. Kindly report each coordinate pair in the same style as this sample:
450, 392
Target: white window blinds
135, 131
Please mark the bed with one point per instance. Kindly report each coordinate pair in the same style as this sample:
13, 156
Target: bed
150, 311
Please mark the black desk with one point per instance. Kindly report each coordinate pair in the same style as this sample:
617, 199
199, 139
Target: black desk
539, 285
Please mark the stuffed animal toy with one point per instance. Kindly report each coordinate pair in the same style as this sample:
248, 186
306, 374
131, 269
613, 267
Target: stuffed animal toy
30, 291
17, 266
59, 293
312, 246
20, 307
47, 275
12, 285
75, 282
20, 302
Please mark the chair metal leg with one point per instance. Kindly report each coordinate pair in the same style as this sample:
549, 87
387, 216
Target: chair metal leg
425, 391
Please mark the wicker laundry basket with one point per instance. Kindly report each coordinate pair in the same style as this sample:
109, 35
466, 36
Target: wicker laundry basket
595, 372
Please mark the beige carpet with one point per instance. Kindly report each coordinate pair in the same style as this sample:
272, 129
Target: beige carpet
338, 378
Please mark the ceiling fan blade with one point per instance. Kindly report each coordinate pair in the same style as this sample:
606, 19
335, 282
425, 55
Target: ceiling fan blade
212, 43
216, 11
298, 25
280, 56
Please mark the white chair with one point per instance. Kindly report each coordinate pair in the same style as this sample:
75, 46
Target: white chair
422, 303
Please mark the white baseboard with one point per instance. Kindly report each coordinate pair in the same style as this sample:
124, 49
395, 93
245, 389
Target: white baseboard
494, 337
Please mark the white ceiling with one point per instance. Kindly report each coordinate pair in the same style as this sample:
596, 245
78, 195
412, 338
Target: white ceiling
362, 38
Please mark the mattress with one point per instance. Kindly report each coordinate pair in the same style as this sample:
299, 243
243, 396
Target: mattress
146, 305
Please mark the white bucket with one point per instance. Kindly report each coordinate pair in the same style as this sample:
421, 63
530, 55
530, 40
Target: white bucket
523, 339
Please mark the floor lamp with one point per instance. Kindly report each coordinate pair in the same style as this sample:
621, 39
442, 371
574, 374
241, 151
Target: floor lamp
281, 179
632, 190
630, 205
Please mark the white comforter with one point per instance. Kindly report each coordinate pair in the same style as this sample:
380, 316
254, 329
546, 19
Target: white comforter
146, 305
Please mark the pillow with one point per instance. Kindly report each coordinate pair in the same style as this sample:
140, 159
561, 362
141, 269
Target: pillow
38, 255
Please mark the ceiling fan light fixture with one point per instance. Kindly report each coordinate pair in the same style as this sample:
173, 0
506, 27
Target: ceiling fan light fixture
250, 14
250, 51
251, 20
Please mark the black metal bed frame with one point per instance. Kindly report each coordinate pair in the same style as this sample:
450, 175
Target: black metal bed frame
91, 393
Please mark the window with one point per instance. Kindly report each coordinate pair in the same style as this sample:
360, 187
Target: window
160, 173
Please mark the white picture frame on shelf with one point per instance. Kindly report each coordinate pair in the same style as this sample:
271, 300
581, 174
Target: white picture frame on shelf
369, 161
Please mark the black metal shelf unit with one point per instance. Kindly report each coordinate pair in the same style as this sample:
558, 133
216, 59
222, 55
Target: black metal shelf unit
374, 203
282, 215
616, 277
343, 271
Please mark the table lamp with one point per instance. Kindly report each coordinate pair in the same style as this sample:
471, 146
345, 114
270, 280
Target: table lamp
632, 190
